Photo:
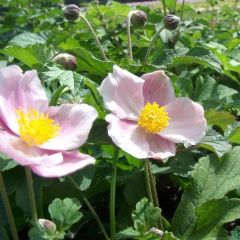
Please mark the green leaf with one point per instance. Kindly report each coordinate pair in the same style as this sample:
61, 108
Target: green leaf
219, 118
169, 236
235, 233
211, 94
212, 215
64, 77
27, 38
84, 177
127, 233
211, 179
87, 62
32, 55
145, 216
65, 212
215, 142
197, 55
6, 163
232, 133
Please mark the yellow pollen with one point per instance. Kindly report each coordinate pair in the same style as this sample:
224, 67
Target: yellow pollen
36, 128
153, 118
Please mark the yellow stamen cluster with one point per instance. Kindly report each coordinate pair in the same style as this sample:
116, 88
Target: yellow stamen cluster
36, 128
153, 118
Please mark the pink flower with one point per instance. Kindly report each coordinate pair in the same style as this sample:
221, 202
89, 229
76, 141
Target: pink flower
35, 135
146, 119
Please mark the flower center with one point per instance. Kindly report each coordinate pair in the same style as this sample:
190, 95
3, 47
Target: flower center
36, 128
153, 118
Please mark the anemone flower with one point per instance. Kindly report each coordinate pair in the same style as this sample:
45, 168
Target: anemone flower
43, 138
146, 119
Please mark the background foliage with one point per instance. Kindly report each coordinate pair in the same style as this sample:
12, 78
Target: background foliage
198, 189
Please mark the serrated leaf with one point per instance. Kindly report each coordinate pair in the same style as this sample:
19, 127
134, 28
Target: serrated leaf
212, 215
65, 212
211, 179
84, 177
197, 55
232, 133
6, 163
219, 118
212, 94
169, 236
215, 142
127, 233
27, 38
145, 216
87, 62
32, 55
235, 233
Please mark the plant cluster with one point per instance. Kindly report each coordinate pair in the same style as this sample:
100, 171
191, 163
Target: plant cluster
119, 122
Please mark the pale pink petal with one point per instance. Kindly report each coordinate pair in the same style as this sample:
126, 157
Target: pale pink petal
31, 93
128, 136
16, 149
158, 88
160, 148
19, 91
187, 122
122, 93
9, 80
75, 121
72, 162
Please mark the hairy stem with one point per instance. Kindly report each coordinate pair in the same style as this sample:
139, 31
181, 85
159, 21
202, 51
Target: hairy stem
147, 179
164, 7
31, 195
94, 35
90, 207
152, 43
154, 192
113, 195
130, 55
8, 209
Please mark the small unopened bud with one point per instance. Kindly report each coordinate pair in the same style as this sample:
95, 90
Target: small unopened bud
71, 12
68, 61
48, 226
171, 22
156, 231
138, 18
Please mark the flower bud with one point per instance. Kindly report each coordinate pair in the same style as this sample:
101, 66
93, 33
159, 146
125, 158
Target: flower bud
68, 61
156, 231
71, 12
138, 18
171, 22
48, 226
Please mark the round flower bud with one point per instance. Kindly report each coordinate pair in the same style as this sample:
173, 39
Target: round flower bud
138, 18
171, 22
48, 226
68, 61
71, 12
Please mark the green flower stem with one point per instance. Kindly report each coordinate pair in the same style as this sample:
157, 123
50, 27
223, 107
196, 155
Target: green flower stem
90, 207
31, 195
8, 209
152, 43
147, 179
113, 195
130, 55
154, 192
94, 35
164, 7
